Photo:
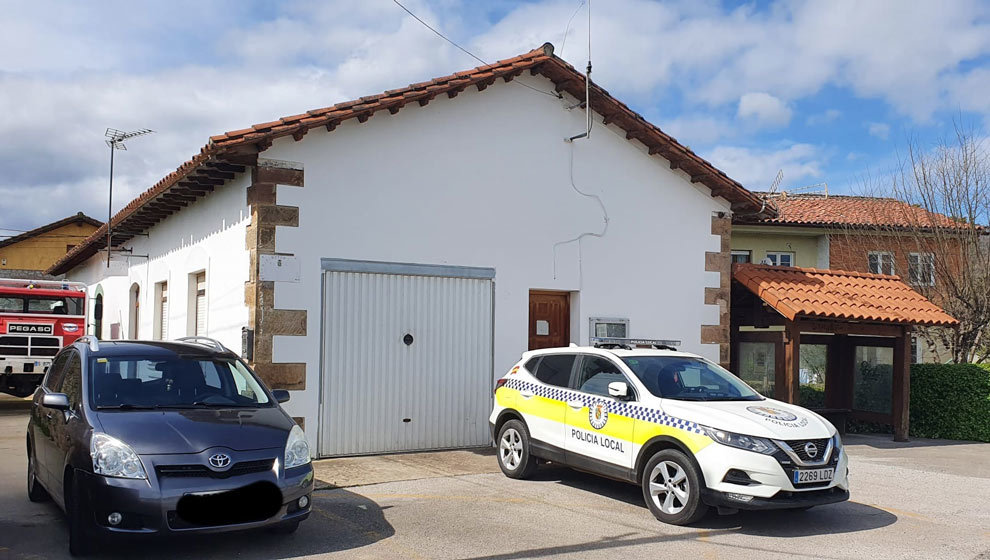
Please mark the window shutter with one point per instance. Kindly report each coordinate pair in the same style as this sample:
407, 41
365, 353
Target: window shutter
201, 304
163, 312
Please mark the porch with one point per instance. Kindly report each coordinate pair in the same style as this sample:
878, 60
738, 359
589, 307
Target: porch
847, 333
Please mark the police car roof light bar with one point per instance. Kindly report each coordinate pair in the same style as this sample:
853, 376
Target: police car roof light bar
94, 343
204, 341
630, 343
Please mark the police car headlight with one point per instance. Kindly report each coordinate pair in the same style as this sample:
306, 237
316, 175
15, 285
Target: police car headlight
112, 457
749, 443
837, 441
296, 448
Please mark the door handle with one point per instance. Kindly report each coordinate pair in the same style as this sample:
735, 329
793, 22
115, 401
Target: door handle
49, 415
526, 393
576, 405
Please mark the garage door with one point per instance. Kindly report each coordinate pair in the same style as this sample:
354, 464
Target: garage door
407, 357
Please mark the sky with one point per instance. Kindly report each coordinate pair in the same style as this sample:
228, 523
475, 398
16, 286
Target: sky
824, 92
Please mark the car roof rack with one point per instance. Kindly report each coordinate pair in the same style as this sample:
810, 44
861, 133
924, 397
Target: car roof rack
94, 343
204, 341
612, 343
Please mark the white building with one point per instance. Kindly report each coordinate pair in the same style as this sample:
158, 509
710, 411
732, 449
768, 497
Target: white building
395, 254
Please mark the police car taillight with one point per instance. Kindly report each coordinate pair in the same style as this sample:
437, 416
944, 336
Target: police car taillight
499, 383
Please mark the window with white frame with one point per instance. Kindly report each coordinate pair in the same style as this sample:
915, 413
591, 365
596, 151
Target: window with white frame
742, 256
161, 311
602, 327
881, 262
917, 354
921, 268
780, 258
196, 311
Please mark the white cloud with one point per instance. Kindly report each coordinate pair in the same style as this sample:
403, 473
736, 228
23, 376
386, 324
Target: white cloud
764, 109
879, 130
756, 168
698, 129
828, 116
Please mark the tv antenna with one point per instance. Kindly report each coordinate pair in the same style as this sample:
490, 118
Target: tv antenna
115, 140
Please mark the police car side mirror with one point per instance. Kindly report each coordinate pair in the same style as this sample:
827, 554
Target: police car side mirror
618, 389
57, 401
281, 395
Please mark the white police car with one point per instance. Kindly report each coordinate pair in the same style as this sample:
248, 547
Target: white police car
691, 433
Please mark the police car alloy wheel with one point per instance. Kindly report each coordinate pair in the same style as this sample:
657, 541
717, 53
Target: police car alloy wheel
513, 450
671, 488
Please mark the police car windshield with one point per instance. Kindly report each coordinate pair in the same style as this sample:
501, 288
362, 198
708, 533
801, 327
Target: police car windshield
129, 382
689, 379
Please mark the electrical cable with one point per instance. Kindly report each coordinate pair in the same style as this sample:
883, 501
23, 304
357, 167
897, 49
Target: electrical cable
467, 52
563, 42
580, 237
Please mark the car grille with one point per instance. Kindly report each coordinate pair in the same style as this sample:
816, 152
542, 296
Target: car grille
797, 445
33, 346
244, 467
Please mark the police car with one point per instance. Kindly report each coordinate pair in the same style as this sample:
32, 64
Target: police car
689, 432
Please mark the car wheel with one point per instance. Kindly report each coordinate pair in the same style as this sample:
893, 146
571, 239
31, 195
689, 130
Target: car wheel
672, 488
80, 535
286, 527
513, 450
36, 492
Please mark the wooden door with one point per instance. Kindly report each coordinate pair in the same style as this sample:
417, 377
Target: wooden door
549, 319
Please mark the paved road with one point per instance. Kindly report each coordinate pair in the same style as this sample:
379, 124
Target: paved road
928, 500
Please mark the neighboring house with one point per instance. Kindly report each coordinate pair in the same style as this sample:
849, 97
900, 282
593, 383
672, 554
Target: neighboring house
387, 258
848, 233
29, 254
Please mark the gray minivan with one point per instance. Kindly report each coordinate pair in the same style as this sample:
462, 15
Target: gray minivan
135, 437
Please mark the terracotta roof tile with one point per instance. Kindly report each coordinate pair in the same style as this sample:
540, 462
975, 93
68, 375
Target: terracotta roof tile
540, 60
839, 210
836, 294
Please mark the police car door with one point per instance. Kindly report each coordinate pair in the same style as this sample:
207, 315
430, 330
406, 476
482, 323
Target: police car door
543, 405
598, 426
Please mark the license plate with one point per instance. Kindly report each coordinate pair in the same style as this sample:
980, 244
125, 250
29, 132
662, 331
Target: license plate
816, 475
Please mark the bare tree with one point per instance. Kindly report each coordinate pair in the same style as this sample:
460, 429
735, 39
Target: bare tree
939, 241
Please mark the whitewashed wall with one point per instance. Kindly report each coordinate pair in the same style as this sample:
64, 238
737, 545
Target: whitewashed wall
483, 180
209, 235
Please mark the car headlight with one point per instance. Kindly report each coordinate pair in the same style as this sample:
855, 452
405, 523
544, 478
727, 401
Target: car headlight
112, 457
749, 443
837, 441
296, 448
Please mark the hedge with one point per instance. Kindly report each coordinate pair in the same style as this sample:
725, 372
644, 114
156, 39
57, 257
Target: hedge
950, 401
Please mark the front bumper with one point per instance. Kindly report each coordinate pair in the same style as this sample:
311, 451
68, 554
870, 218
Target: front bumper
152, 506
768, 479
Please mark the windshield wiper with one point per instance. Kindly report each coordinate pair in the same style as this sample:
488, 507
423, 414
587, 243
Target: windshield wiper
127, 406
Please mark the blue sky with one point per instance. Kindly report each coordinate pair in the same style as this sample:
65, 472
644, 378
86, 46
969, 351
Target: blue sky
825, 91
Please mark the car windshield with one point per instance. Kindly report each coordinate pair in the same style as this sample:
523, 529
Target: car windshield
131, 382
689, 379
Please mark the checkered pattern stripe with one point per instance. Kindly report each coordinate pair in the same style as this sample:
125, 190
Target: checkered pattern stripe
629, 410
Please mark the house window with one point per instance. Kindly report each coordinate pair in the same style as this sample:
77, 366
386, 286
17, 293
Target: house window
742, 257
881, 262
917, 354
921, 268
780, 259
161, 310
602, 327
196, 324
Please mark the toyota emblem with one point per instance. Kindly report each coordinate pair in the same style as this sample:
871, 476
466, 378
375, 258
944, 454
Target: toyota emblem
222, 460
809, 448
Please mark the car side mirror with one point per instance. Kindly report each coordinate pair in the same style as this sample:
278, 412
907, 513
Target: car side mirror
281, 395
618, 389
57, 401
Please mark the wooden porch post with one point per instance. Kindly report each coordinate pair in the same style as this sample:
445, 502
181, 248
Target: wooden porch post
901, 398
788, 382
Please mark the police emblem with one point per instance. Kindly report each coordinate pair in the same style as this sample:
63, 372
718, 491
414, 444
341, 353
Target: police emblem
598, 415
773, 413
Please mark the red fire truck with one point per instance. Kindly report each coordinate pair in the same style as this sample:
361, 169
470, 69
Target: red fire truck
37, 318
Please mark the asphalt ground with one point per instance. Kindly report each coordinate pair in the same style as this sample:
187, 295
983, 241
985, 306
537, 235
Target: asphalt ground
927, 499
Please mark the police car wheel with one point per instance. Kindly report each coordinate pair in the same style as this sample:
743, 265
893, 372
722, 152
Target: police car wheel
513, 450
672, 488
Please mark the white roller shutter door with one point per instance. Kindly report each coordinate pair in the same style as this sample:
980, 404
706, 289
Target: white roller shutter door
407, 361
